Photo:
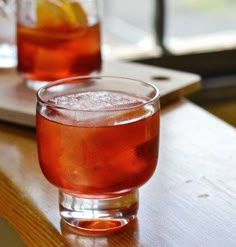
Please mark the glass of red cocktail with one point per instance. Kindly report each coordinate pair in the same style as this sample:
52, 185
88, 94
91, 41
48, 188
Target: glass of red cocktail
98, 143
57, 39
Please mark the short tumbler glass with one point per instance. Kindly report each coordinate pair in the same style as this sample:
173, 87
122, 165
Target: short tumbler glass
57, 39
98, 141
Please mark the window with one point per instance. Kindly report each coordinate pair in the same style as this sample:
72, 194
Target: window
191, 27
200, 24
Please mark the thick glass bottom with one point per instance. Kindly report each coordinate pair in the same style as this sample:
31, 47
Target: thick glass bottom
94, 216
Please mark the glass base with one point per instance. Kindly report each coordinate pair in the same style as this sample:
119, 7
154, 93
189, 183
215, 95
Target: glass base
103, 215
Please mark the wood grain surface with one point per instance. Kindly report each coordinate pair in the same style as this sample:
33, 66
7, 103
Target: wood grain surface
190, 200
17, 101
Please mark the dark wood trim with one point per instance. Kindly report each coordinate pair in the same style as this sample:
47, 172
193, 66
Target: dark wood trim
206, 64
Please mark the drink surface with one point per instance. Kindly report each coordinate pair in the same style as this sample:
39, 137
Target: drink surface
101, 152
62, 41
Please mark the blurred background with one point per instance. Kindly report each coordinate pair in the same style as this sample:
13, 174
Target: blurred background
191, 35
7, 34
189, 25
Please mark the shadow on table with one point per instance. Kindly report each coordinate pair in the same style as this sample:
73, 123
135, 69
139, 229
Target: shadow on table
128, 236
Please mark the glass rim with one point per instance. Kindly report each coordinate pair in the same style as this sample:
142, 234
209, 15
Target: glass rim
156, 97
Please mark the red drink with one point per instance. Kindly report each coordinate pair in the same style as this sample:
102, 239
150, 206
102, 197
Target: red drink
48, 56
98, 143
100, 155
63, 42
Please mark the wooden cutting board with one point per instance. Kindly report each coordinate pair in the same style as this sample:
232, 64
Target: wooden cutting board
17, 101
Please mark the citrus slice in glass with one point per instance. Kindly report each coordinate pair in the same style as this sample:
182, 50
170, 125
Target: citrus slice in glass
60, 14
80, 14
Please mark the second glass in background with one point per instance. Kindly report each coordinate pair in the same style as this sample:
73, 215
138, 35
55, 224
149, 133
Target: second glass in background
57, 39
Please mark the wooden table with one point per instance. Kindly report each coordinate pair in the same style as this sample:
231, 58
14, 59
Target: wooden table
190, 200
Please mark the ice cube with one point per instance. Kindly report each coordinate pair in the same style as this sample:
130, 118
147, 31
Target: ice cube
96, 100
97, 108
